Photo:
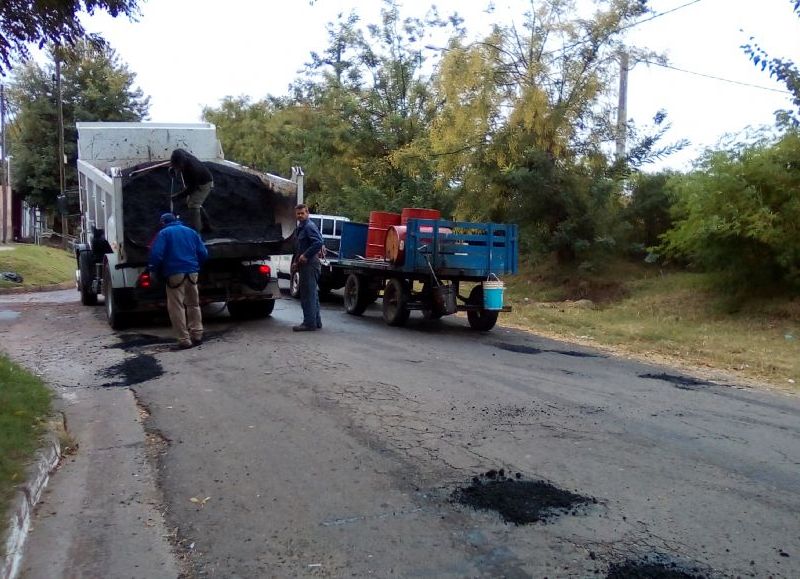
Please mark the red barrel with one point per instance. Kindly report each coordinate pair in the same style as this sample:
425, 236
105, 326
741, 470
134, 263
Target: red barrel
415, 213
379, 223
396, 241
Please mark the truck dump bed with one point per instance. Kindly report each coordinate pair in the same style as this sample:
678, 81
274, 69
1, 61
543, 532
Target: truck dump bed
240, 211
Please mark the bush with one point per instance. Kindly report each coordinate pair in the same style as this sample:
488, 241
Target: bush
738, 214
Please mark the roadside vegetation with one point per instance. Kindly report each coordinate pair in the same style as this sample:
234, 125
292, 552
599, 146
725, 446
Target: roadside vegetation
664, 315
24, 405
37, 264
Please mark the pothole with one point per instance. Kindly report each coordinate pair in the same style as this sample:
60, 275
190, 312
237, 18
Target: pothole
134, 370
519, 501
522, 349
680, 382
655, 567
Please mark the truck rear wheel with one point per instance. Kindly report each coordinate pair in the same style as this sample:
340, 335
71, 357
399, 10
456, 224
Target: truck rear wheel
87, 269
357, 294
480, 320
395, 302
251, 310
116, 319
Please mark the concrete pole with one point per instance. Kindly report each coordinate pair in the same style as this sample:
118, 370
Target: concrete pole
61, 175
622, 107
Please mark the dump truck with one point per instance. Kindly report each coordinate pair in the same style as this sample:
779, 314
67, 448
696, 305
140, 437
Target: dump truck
125, 184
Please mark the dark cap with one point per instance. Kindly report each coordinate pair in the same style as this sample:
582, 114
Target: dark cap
168, 218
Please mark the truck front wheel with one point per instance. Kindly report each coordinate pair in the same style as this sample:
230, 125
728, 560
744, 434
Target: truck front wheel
87, 268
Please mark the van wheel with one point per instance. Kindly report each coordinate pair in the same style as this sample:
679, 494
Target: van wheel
294, 285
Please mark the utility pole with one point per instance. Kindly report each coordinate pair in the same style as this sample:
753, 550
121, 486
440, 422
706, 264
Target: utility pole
61, 161
622, 107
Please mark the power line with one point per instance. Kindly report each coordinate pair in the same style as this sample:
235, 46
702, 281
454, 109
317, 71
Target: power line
747, 84
627, 26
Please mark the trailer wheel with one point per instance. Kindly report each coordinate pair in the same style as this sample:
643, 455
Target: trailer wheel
395, 301
116, 319
357, 295
86, 266
480, 320
251, 310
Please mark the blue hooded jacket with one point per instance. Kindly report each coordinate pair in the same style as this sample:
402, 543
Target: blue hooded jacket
177, 249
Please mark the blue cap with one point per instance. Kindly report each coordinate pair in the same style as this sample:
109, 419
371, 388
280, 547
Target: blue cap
168, 217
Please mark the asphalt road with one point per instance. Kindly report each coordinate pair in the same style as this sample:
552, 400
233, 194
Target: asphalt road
344, 453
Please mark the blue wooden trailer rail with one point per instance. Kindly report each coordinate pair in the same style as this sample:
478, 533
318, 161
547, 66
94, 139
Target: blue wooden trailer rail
438, 253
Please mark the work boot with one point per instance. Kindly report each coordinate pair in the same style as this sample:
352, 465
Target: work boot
181, 346
196, 341
303, 328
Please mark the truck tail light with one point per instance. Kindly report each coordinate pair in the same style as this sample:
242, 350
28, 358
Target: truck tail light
144, 281
264, 270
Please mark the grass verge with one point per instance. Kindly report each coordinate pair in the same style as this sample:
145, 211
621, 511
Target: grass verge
680, 318
24, 405
37, 264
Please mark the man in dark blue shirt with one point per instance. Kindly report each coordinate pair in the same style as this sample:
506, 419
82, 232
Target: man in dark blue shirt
176, 255
309, 244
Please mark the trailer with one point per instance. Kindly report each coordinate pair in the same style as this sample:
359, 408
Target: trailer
428, 263
125, 184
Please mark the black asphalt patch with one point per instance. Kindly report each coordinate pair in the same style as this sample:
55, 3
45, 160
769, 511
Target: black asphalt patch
681, 382
521, 349
518, 501
654, 567
134, 370
130, 341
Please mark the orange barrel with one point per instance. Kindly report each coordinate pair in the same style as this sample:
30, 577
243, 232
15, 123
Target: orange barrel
379, 223
396, 241
414, 213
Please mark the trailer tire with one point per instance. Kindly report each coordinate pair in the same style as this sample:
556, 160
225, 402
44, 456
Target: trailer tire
251, 310
395, 302
86, 266
357, 294
480, 320
116, 319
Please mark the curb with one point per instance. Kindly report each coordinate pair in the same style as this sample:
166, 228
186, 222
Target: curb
28, 493
38, 288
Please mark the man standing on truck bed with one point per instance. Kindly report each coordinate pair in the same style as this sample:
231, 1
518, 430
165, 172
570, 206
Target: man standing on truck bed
177, 254
309, 244
197, 181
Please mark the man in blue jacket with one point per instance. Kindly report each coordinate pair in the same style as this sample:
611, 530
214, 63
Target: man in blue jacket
309, 244
176, 255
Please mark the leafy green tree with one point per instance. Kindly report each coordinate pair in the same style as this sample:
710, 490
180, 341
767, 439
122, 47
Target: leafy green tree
23, 22
525, 122
95, 87
739, 213
649, 210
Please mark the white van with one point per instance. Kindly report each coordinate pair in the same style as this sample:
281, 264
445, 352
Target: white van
330, 226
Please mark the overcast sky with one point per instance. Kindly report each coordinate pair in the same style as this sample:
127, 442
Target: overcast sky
192, 53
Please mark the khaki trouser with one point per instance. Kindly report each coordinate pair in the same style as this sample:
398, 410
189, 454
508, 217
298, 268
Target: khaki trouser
183, 305
193, 205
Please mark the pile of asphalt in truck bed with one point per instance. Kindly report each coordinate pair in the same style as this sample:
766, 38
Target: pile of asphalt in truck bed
240, 206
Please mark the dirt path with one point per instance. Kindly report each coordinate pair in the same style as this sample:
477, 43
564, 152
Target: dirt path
364, 450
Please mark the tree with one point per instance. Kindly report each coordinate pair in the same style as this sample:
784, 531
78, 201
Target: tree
49, 22
95, 87
784, 70
739, 213
524, 123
